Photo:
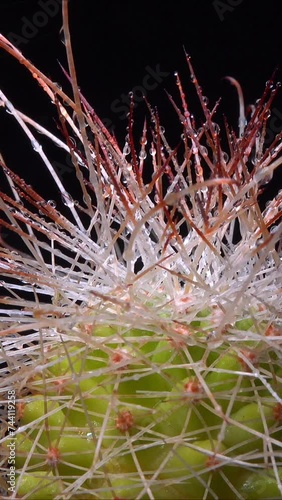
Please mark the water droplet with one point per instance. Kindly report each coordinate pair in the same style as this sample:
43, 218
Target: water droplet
203, 151
142, 155
62, 36
274, 152
67, 200
36, 146
52, 203
126, 150
242, 122
58, 85
225, 157
205, 99
216, 127
269, 84
72, 140
143, 141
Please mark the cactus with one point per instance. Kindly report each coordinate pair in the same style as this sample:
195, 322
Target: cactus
141, 325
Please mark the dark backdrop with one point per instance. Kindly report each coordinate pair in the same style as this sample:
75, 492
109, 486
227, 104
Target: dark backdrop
120, 46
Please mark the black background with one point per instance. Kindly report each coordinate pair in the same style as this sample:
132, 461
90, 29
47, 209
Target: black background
115, 42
